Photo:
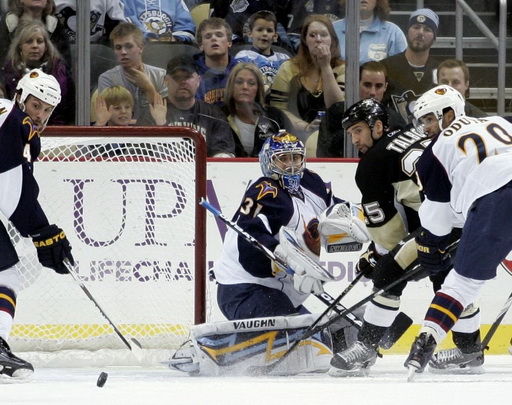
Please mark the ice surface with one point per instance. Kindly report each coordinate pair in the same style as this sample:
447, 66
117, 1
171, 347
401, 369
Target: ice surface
385, 385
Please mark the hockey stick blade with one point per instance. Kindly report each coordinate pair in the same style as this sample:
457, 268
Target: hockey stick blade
399, 326
135, 347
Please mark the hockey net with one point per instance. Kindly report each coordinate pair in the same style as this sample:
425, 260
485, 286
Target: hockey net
128, 201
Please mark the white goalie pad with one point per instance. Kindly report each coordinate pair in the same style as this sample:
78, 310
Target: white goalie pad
342, 228
298, 259
230, 348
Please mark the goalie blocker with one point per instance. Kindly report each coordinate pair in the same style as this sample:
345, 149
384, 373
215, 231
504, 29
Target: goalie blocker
230, 348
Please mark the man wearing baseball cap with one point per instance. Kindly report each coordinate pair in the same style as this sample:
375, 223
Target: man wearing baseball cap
181, 108
413, 71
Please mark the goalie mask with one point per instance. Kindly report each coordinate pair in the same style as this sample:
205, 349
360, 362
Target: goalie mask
368, 110
435, 101
40, 85
283, 157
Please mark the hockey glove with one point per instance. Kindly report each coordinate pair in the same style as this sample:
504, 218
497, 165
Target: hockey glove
368, 261
387, 271
432, 254
52, 248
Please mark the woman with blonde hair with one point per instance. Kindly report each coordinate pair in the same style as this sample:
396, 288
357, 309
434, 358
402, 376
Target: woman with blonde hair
299, 85
23, 11
251, 121
32, 48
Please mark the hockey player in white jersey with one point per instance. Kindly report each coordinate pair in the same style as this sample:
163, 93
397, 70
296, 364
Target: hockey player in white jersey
19, 148
466, 175
262, 300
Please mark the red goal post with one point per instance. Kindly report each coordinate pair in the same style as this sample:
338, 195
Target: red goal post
128, 199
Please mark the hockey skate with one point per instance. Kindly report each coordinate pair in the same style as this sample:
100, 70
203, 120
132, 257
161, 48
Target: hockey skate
421, 352
354, 361
454, 361
12, 365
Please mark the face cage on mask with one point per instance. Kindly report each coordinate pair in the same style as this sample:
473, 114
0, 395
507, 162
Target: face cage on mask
290, 177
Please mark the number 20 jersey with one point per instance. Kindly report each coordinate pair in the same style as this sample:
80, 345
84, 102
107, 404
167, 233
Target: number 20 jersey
469, 159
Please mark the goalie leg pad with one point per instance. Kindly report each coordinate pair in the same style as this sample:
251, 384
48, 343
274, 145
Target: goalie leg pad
230, 348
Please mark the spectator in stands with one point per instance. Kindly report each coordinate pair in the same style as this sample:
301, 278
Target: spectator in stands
114, 106
378, 37
251, 121
455, 73
290, 16
182, 108
237, 15
167, 21
412, 72
143, 81
299, 85
32, 48
263, 25
105, 15
214, 62
39, 10
372, 83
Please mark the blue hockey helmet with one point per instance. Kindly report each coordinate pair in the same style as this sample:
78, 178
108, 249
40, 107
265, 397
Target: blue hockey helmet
283, 157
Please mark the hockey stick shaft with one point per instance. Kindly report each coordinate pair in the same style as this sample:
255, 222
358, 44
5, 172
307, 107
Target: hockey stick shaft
494, 327
324, 297
79, 281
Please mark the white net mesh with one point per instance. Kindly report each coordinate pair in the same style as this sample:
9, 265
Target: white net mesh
128, 206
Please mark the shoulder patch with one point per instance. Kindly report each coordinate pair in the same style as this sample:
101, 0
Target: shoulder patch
266, 188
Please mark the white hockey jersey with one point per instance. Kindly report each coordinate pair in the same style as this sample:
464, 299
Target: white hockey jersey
100, 9
469, 159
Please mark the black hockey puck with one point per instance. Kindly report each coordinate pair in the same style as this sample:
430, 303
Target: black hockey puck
102, 379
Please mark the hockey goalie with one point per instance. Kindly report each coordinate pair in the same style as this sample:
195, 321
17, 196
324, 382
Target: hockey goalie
233, 347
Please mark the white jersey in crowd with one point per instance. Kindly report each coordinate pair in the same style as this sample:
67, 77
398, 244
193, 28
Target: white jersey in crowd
99, 9
469, 159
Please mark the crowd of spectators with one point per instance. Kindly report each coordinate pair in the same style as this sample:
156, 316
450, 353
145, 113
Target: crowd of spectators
263, 70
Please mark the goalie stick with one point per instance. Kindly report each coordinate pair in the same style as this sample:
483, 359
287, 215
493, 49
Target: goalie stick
136, 347
258, 245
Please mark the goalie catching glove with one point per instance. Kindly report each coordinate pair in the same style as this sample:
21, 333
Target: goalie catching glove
342, 228
308, 275
53, 247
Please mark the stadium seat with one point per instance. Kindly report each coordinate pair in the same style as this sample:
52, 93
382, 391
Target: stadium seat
102, 59
200, 12
159, 53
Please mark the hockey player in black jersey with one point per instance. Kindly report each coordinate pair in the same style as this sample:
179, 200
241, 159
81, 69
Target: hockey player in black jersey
390, 200
37, 96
